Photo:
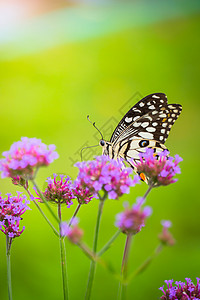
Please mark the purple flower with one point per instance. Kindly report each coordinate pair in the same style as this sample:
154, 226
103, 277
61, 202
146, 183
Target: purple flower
165, 236
159, 169
59, 191
25, 157
181, 290
105, 174
11, 210
73, 232
131, 220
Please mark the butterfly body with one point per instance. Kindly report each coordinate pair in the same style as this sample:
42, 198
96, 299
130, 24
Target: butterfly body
146, 125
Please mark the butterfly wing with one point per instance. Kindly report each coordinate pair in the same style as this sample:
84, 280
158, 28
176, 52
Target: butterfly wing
143, 107
129, 150
154, 125
147, 124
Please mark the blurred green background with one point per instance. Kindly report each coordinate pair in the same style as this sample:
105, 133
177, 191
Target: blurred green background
61, 61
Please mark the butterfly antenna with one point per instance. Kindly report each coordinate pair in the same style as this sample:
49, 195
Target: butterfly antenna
84, 149
95, 127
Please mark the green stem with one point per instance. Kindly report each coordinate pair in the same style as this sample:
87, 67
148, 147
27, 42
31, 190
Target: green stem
109, 243
124, 268
98, 260
64, 269
87, 251
148, 191
42, 213
45, 201
63, 258
74, 215
93, 263
8, 246
146, 263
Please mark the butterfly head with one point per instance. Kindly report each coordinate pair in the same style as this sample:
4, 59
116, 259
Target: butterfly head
105, 145
107, 148
102, 143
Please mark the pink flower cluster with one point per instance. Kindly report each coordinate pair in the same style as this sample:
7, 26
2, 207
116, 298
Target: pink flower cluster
159, 169
59, 191
26, 156
11, 210
182, 290
63, 191
131, 220
106, 174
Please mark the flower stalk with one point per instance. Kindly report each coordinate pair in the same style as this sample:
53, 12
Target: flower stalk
75, 214
109, 243
99, 260
148, 191
145, 264
130, 222
45, 201
63, 258
123, 285
8, 246
93, 263
42, 213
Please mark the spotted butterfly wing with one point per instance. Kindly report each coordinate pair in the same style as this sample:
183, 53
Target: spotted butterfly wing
146, 124
139, 109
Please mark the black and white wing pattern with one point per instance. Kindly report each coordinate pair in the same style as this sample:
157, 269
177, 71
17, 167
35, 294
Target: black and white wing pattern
151, 118
146, 124
143, 107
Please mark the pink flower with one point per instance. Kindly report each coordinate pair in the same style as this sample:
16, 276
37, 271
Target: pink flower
25, 157
58, 191
82, 194
131, 220
11, 210
105, 174
159, 169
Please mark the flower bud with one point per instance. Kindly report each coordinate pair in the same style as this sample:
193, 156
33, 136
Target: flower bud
73, 232
165, 236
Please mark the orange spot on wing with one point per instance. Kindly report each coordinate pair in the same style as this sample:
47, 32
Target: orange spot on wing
142, 176
163, 120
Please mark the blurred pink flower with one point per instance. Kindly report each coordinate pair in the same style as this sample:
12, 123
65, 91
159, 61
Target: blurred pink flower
131, 220
25, 157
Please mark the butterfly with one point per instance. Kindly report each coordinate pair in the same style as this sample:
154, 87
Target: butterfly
146, 125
